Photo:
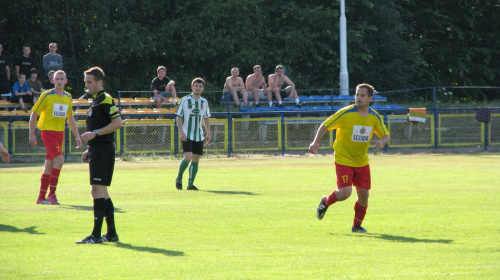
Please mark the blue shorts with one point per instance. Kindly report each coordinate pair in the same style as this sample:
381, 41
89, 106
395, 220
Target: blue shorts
164, 94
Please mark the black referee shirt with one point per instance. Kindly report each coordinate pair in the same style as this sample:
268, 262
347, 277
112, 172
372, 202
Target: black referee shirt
101, 112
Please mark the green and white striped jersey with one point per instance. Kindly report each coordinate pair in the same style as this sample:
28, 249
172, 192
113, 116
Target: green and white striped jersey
193, 111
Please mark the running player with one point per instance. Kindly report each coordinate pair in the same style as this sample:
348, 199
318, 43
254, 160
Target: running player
355, 125
54, 107
193, 111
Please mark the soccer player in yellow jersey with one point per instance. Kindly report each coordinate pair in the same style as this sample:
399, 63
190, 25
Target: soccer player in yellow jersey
54, 107
355, 125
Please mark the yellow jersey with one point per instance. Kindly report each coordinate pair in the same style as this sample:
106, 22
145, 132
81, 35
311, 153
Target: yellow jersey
53, 110
353, 134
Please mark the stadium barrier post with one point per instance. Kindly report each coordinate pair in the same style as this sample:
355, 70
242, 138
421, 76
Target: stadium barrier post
436, 128
9, 136
282, 134
230, 134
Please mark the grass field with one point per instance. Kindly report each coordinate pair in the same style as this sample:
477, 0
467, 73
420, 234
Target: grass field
430, 217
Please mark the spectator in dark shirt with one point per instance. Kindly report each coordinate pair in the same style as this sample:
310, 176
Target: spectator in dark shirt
4, 73
25, 62
162, 87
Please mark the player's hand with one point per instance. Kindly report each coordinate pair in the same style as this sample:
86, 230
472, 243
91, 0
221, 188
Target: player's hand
5, 157
33, 140
378, 144
208, 138
78, 142
87, 136
313, 148
183, 137
85, 156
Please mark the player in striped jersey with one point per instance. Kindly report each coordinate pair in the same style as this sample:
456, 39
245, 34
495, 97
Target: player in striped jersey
54, 107
192, 113
354, 125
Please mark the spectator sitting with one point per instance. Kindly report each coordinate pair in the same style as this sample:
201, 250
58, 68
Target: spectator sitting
21, 92
34, 84
276, 81
255, 83
163, 87
233, 85
49, 83
52, 61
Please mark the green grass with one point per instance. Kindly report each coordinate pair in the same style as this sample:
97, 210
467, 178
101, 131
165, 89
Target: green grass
430, 217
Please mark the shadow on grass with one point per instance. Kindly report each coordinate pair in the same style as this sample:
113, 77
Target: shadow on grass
149, 249
399, 238
86, 208
231, 192
30, 230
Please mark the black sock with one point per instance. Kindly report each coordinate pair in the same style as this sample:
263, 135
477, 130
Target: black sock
110, 217
99, 210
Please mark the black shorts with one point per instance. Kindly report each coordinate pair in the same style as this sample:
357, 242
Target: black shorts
26, 98
284, 94
196, 147
101, 164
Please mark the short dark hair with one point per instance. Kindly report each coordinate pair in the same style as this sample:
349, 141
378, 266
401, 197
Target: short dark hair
198, 80
368, 87
33, 70
97, 72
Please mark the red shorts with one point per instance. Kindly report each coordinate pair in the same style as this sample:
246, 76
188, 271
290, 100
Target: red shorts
357, 176
53, 141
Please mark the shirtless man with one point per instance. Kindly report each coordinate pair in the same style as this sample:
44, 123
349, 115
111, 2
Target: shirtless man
276, 81
234, 84
256, 82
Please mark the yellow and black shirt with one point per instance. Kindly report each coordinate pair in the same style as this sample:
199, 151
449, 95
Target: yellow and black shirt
101, 112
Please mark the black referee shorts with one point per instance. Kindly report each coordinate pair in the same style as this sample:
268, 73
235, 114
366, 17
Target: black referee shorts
101, 164
196, 147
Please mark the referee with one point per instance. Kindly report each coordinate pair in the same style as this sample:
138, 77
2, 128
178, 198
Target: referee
103, 120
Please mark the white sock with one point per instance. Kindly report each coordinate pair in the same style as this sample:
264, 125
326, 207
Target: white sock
270, 104
297, 101
279, 102
175, 100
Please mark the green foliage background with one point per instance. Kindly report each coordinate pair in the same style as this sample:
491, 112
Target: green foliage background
391, 44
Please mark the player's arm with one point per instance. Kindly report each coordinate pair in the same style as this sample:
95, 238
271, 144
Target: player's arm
5, 154
32, 137
314, 147
380, 143
74, 130
179, 128
207, 129
115, 124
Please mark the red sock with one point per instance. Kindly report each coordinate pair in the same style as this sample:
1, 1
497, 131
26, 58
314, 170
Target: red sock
44, 185
331, 199
359, 214
54, 177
